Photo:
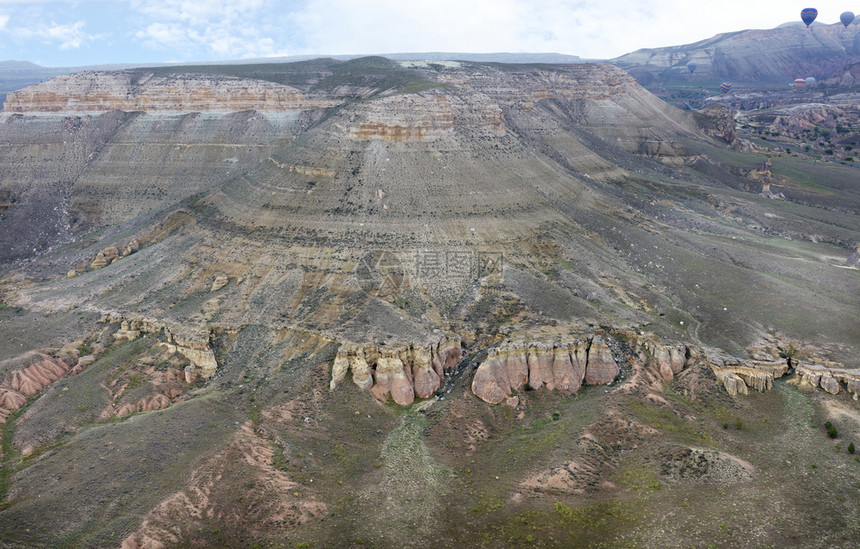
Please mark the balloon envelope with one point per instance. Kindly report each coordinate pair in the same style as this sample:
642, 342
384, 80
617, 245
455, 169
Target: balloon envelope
810, 80
847, 17
725, 87
808, 15
692, 66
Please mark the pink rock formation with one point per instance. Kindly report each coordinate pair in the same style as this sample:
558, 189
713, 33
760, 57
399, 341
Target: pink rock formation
425, 379
27, 375
540, 362
146, 404
601, 368
391, 377
505, 370
578, 356
563, 367
401, 371
667, 360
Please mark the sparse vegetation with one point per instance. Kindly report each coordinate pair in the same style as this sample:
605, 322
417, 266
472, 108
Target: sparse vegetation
598, 235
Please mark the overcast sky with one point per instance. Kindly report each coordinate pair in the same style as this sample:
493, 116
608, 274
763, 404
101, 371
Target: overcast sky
84, 32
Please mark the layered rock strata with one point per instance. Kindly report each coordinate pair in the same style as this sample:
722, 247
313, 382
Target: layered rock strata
667, 360
194, 347
738, 376
565, 367
829, 378
92, 91
401, 371
30, 373
111, 254
426, 117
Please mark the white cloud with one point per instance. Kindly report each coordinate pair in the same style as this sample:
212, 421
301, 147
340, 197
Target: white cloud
69, 36
590, 28
230, 29
220, 28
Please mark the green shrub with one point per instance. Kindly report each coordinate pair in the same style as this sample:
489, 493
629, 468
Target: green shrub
851, 448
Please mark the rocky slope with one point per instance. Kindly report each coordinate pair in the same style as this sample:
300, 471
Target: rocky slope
776, 55
135, 91
447, 235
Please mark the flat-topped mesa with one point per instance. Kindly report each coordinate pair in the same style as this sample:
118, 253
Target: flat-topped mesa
93, 91
402, 371
829, 377
193, 346
737, 375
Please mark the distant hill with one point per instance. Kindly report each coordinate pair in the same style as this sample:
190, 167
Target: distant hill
16, 75
756, 56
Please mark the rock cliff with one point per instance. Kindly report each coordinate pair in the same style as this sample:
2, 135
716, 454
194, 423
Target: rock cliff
737, 375
566, 366
194, 346
399, 370
829, 377
145, 91
563, 366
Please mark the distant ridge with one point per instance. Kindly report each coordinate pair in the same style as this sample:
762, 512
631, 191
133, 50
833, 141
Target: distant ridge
771, 56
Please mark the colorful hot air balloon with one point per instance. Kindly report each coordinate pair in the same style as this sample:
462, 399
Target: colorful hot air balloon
692, 66
810, 80
725, 87
808, 15
847, 17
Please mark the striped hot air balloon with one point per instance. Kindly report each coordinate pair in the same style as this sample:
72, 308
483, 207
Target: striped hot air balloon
808, 15
725, 87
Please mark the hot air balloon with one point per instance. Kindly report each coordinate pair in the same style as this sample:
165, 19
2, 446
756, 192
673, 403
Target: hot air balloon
692, 66
808, 15
725, 87
798, 83
810, 80
847, 17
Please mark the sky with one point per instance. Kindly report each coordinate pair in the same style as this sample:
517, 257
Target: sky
63, 33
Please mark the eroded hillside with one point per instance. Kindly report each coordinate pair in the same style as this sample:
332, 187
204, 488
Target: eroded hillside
194, 265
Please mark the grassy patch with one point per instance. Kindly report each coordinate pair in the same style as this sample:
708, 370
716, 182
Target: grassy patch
10, 454
669, 423
639, 479
597, 525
